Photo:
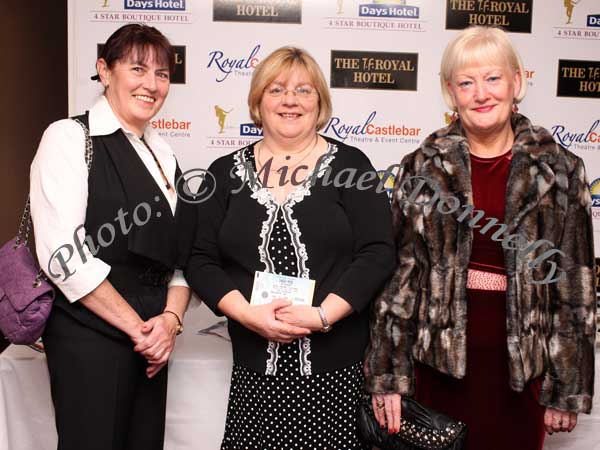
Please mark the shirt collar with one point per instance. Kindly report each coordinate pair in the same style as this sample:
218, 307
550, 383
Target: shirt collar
103, 121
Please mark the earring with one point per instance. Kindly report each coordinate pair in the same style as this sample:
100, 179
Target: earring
454, 116
515, 108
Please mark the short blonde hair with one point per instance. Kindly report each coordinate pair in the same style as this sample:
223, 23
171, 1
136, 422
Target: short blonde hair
478, 45
284, 60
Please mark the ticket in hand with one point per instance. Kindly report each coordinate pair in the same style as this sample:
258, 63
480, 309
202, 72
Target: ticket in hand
270, 286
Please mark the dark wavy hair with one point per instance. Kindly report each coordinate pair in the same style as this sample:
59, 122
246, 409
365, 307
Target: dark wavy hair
138, 43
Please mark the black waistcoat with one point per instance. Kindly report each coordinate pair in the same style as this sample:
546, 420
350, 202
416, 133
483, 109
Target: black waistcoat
130, 225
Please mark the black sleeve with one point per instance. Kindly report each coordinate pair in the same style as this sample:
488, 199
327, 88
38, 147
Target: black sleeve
367, 207
185, 221
204, 271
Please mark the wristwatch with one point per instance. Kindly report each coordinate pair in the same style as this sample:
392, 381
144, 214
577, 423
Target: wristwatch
324, 321
179, 328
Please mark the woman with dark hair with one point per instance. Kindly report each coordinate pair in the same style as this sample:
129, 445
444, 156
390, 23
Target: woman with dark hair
481, 322
107, 221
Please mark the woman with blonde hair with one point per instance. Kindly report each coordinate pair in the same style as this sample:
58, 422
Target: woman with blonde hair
297, 373
489, 317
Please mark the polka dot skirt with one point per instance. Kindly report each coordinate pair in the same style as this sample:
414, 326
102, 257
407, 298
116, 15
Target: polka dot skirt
293, 412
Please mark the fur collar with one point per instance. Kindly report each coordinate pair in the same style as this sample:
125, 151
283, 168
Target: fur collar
537, 166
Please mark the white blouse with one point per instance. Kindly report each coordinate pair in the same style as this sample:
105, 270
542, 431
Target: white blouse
59, 192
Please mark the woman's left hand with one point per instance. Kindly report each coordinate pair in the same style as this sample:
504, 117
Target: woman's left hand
556, 420
161, 331
300, 316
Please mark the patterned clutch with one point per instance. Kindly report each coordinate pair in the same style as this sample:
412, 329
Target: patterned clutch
420, 429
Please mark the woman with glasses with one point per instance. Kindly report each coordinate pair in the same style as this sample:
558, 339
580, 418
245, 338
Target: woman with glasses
307, 207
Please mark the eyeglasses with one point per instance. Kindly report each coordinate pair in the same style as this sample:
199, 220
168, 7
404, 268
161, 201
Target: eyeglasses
302, 92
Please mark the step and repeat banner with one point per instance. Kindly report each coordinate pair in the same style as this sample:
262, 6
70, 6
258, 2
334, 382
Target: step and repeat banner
381, 59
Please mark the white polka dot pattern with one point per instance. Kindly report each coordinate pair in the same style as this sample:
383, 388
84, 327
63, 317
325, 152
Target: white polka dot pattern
291, 411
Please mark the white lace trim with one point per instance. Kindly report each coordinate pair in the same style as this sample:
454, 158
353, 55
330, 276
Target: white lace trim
295, 234
273, 350
264, 197
305, 350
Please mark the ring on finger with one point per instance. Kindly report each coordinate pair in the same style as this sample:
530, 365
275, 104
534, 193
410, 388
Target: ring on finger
380, 404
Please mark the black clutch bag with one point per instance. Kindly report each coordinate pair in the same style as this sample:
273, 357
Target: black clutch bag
420, 429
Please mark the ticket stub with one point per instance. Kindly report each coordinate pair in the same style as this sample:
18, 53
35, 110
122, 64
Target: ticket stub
270, 286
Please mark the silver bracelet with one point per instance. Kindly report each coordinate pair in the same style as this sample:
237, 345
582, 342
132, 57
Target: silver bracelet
324, 321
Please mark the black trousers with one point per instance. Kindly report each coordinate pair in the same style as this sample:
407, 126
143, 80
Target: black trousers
102, 398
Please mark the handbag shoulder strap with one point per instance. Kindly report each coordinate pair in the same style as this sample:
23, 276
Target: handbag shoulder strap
83, 122
25, 223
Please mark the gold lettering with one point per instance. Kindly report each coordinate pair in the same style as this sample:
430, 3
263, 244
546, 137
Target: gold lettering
346, 63
593, 73
589, 86
406, 66
387, 65
573, 72
462, 5
490, 20
522, 8
373, 77
178, 59
508, 7
497, 7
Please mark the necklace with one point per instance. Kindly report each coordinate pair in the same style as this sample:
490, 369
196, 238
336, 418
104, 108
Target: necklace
287, 157
162, 172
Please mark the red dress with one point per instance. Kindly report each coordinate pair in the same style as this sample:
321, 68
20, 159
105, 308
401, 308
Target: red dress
497, 417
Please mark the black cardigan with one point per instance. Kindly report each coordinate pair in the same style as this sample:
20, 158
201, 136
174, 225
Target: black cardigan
346, 232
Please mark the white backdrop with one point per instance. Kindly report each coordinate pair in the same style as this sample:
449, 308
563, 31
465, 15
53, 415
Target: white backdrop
222, 40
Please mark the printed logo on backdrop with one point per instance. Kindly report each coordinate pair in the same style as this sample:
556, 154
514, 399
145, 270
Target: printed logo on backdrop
511, 15
578, 20
229, 134
578, 78
593, 20
143, 11
595, 191
530, 76
372, 130
178, 77
374, 70
221, 117
268, 11
160, 5
388, 182
584, 137
382, 15
226, 63
172, 127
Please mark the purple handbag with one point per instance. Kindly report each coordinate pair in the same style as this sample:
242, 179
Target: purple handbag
26, 296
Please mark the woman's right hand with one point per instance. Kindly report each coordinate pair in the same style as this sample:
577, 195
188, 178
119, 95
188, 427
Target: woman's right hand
388, 411
261, 319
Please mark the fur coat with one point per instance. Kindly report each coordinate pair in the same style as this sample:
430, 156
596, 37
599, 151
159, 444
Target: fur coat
421, 314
